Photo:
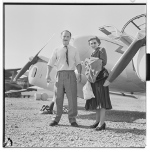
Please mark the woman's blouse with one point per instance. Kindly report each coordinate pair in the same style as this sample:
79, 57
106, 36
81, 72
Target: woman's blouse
101, 54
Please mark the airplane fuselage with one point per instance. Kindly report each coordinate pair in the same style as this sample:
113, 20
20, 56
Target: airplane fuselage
127, 81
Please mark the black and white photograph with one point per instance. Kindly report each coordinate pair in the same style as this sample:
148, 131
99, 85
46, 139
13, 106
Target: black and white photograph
74, 74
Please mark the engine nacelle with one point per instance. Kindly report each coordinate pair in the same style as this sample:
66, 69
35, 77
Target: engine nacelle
139, 62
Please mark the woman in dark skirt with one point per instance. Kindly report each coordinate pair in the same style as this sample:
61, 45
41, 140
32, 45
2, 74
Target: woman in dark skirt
101, 102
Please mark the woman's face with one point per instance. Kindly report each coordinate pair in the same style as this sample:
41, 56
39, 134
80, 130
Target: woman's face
94, 44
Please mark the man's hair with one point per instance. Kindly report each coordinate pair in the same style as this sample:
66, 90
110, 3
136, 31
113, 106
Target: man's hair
66, 31
95, 38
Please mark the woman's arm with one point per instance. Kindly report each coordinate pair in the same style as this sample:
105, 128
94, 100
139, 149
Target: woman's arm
103, 56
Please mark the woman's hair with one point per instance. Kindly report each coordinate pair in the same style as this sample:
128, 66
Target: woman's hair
95, 38
66, 31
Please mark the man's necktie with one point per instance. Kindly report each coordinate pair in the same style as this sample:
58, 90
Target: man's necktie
67, 55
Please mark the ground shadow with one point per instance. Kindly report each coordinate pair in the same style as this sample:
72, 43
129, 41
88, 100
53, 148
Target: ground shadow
123, 95
119, 116
80, 126
132, 130
116, 115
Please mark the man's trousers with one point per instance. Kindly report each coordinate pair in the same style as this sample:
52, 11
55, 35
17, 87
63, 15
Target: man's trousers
66, 82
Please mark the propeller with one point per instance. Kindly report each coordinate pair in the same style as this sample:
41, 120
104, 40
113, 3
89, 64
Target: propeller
124, 60
29, 63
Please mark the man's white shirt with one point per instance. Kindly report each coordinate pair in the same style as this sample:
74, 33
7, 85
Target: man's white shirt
58, 58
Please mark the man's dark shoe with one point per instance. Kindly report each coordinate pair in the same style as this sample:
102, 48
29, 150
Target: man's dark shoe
74, 124
53, 123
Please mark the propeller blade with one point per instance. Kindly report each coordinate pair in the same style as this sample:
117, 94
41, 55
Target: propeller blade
23, 70
33, 61
124, 60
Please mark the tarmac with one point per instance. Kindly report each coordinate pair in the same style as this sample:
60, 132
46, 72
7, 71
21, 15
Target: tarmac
26, 127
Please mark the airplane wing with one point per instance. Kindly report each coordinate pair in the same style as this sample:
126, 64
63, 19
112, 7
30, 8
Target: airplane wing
22, 90
115, 34
11, 70
11, 73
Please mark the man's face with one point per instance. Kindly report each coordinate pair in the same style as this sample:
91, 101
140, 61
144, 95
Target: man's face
65, 37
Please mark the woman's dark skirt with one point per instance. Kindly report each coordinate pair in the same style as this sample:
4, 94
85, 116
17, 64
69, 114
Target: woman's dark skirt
102, 98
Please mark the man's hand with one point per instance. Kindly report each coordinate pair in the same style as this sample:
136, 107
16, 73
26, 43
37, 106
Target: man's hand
79, 76
79, 79
48, 78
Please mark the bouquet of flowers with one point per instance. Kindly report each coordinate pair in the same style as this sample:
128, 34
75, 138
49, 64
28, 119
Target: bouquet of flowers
93, 67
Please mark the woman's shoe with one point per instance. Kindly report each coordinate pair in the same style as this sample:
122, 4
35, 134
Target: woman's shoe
94, 125
101, 128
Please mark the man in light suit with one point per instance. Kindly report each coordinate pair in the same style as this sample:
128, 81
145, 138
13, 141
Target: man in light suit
66, 58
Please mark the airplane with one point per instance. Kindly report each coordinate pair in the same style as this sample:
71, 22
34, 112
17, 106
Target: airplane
14, 89
126, 59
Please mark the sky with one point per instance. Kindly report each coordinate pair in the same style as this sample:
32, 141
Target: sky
29, 27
